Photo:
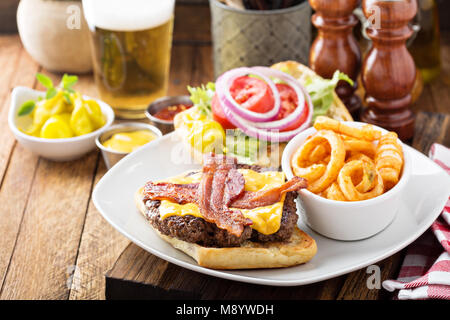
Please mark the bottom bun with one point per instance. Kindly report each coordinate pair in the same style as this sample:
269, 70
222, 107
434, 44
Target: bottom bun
250, 255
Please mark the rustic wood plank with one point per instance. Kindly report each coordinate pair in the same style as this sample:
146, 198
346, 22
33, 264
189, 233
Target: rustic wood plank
430, 128
17, 69
99, 248
190, 66
203, 70
10, 52
14, 196
50, 231
132, 253
181, 68
17, 165
330, 288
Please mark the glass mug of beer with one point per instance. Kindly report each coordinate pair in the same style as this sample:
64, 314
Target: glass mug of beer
131, 43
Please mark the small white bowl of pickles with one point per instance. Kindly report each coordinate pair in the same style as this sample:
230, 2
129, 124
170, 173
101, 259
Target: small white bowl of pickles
60, 124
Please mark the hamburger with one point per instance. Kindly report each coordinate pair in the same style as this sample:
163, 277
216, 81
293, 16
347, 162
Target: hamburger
229, 215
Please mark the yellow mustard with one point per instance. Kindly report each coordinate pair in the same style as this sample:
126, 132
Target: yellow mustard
129, 141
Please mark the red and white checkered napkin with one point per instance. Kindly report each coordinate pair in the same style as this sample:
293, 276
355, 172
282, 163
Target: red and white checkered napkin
425, 272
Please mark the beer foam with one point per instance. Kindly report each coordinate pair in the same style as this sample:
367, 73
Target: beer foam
129, 15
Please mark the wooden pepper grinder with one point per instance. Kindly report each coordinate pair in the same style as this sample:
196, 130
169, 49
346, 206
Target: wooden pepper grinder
335, 47
388, 71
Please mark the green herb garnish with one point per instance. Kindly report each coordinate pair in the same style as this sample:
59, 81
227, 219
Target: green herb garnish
51, 92
44, 80
66, 84
26, 108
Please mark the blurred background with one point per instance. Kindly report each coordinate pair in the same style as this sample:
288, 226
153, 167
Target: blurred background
192, 52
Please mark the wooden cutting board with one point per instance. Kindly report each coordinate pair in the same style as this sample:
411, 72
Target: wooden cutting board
138, 274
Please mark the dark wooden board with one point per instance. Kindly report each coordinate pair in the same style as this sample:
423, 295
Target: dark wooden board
138, 274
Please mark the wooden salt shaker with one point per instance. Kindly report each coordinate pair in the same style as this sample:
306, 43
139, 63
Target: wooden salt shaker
388, 71
335, 47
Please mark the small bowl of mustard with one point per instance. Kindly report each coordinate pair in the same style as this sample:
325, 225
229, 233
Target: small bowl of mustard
121, 139
162, 111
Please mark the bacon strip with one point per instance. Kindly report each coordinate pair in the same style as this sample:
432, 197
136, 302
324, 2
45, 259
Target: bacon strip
187, 193
251, 200
217, 173
179, 193
234, 186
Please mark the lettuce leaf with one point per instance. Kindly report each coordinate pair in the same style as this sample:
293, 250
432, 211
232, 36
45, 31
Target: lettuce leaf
321, 91
201, 97
244, 148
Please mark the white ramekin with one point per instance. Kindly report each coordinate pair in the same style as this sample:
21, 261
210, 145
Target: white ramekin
110, 156
346, 220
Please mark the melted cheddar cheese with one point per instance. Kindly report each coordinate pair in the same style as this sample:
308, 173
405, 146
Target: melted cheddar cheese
266, 220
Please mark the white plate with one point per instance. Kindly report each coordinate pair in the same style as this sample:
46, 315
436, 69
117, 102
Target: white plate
421, 203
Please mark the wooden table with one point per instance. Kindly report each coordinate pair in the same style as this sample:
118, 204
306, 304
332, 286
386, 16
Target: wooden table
55, 245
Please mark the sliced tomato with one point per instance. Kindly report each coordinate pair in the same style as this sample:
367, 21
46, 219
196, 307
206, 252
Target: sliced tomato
299, 121
251, 93
218, 114
289, 102
288, 99
255, 95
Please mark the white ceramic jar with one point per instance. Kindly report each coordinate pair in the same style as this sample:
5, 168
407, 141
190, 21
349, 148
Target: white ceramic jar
55, 34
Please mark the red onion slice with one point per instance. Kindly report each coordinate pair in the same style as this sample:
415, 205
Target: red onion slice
299, 91
224, 83
268, 130
264, 134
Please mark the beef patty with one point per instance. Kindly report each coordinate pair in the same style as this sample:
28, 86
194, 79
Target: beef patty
197, 230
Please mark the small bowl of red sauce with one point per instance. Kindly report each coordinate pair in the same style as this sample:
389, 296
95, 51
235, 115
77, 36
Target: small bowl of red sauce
161, 112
